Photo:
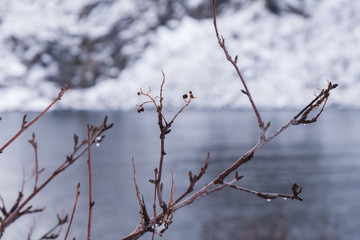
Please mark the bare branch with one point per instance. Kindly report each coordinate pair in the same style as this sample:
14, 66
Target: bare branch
193, 179
17, 209
24, 124
268, 196
36, 171
164, 127
91, 202
154, 203
73, 211
319, 100
138, 193
221, 42
60, 223
31, 231
218, 183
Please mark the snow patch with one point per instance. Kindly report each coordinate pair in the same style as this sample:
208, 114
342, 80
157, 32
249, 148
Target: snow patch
284, 59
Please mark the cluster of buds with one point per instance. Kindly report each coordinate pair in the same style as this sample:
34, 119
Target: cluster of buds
185, 96
140, 109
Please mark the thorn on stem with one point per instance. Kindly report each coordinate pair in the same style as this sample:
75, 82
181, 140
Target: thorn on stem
23, 125
237, 177
69, 158
267, 126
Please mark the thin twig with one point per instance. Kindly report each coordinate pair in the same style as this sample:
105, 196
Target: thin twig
36, 172
154, 203
269, 196
138, 193
50, 234
73, 210
194, 179
221, 42
319, 100
17, 210
91, 203
31, 231
25, 126
165, 128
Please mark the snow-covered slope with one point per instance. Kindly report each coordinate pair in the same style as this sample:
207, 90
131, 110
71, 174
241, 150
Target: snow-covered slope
284, 58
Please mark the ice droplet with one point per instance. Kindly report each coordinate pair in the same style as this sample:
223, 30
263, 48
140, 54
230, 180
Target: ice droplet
269, 199
285, 198
97, 141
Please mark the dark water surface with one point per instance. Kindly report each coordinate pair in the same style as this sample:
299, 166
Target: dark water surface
323, 157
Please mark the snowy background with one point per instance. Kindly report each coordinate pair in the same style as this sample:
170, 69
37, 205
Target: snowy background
107, 50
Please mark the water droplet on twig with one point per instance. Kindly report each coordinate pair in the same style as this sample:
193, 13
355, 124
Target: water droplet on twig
97, 141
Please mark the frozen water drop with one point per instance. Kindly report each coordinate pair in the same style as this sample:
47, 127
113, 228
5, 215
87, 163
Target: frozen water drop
269, 199
285, 198
97, 141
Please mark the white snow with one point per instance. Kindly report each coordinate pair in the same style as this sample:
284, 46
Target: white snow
284, 59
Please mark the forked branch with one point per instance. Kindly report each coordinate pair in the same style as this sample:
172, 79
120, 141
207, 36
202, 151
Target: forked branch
25, 125
233, 62
20, 207
219, 182
165, 128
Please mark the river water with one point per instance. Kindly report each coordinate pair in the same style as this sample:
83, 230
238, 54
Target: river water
324, 158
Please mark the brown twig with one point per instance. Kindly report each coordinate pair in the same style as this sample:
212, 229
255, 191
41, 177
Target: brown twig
73, 210
60, 223
165, 128
168, 217
24, 124
18, 208
154, 202
319, 100
36, 171
193, 179
138, 194
91, 202
221, 42
296, 190
31, 231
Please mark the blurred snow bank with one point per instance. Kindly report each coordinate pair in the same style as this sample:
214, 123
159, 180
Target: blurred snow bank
283, 58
